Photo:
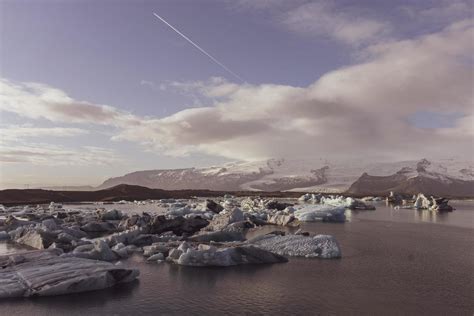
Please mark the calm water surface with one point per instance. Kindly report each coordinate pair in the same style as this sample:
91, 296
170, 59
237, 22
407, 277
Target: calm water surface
394, 262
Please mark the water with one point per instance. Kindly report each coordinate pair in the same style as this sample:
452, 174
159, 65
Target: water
394, 262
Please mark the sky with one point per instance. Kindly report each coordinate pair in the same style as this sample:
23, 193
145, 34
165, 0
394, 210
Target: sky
95, 89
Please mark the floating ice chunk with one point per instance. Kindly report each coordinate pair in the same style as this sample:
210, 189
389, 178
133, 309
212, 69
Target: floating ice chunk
225, 218
55, 207
319, 246
282, 220
422, 202
156, 257
179, 211
206, 255
43, 273
111, 215
337, 201
324, 213
189, 211
346, 202
310, 197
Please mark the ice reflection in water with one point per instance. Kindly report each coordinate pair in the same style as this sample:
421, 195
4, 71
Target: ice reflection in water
462, 216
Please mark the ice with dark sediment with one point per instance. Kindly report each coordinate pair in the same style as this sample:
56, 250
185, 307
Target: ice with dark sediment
44, 273
208, 255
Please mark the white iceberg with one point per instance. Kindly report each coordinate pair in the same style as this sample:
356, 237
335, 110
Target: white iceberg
324, 213
310, 198
319, 246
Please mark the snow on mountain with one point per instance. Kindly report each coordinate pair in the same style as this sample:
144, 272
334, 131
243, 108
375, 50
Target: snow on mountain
292, 175
448, 178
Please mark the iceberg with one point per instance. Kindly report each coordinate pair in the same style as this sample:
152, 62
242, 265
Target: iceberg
319, 246
207, 255
310, 198
44, 273
324, 213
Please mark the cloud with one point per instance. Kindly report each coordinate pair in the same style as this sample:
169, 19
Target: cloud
464, 129
39, 101
36, 100
215, 87
16, 132
150, 84
53, 155
358, 111
357, 24
447, 10
361, 110
264, 4
326, 19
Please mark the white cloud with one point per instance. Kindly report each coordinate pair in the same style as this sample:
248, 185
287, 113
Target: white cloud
357, 24
53, 155
35, 100
324, 18
447, 9
264, 4
16, 132
361, 110
215, 87
39, 101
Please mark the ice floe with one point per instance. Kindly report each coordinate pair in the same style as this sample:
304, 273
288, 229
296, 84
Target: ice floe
44, 273
323, 213
208, 255
319, 246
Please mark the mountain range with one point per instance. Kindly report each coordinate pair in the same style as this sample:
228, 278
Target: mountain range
449, 177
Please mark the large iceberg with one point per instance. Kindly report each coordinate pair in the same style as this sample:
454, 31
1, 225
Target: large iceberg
207, 255
319, 246
324, 213
44, 273
347, 202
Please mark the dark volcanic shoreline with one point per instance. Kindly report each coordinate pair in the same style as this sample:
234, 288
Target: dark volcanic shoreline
11, 197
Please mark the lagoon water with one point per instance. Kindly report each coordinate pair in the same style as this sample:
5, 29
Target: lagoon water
394, 262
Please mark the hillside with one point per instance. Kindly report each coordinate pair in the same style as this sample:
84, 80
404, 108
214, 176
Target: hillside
309, 175
424, 178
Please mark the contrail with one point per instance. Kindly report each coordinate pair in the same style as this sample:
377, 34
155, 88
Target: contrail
200, 49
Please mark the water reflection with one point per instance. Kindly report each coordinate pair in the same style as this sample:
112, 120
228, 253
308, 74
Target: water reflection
94, 299
348, 214
430, 216
196, 277
463, 216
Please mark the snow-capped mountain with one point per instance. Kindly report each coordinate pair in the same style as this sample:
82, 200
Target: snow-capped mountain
427, 177
304, 175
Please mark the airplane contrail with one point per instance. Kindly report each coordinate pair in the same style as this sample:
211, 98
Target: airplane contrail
200, 49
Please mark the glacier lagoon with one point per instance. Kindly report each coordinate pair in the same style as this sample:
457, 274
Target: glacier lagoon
393, 261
